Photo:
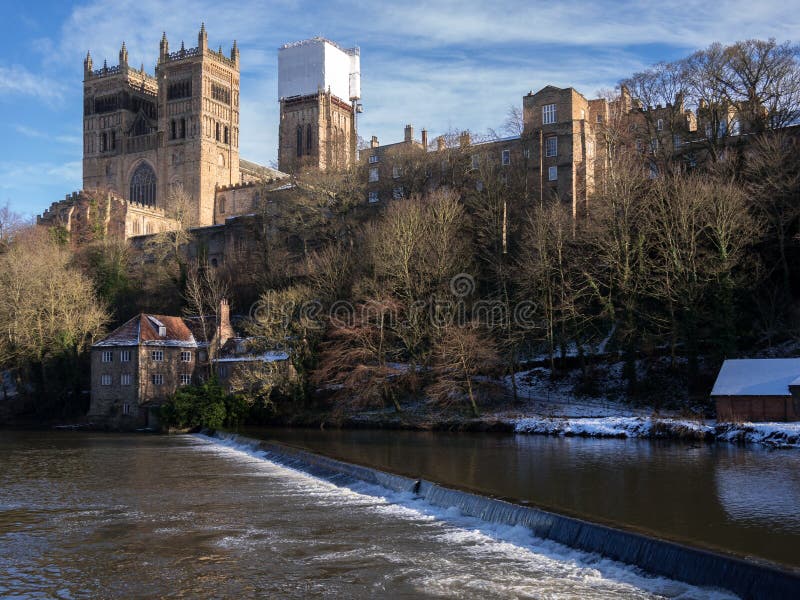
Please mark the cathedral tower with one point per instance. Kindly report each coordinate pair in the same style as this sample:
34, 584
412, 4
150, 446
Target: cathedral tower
147, 137
318, 88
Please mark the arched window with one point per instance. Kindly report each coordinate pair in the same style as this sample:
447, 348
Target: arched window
103, 142
222, 204
299, 140
113, 140
172, 130
309, 139
183, 127
143, 185
227, 136
216, 131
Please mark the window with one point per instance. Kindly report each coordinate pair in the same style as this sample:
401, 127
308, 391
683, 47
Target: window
108, 356
125, 379
220, 93
126, 409
217, 132
172, 130
373, 174
552, 173
222, 204
179, 89
186, 356
583, 114
548, 114
526, 153
299, 141
654, 145
222, 370
599, 118
476, 161
157, 355
113, 140
125, 356
639, 146
103, 142
202, 356
373, 158
479, 185
143, 185
309, 139
157, 379
506, 157
660, 125
397, 193
183, 127
551, 146
105, 379
676, 141
226, 137
396, 172
186, 379
373, 197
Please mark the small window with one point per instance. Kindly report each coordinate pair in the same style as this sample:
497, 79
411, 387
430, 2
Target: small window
373, 158
373, 174
157, 379
660, 125
506, 157
201, 356
108, 356
476, 161
125, 356
222, 370
552, 173
125, 379
222, 204
186, 356
551, 146
397, 193
183, 127
654, 145
226, 137
396, 172
217, 133
676, 141
105, 379
186, 379
526, 152
172, 130
373, 197
599, 118
157, 355
548, 114
126, 409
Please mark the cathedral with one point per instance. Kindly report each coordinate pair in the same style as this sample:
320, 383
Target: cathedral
165, 146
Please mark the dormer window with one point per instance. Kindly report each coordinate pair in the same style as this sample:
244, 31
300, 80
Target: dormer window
159, 327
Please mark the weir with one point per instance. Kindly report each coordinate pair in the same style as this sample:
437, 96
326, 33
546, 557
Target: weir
658, 557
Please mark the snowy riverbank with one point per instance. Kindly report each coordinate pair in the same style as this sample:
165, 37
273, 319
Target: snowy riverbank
775, 435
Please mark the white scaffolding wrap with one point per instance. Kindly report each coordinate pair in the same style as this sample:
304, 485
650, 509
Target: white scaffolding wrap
307, 66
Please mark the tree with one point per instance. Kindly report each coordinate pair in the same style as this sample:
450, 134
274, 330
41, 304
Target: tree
460, 354
49, 317
205, 292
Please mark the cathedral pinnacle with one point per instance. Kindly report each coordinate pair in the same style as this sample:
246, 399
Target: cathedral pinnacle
123, 55
235, 52
202, 37
87, 63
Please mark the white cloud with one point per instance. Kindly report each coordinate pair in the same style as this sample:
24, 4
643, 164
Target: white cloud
16, 80
30, 132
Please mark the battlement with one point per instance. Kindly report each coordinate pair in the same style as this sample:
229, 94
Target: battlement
238, 186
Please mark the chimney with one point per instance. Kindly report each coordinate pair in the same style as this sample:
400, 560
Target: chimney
425, 139
374, 142
409, 137
440, 144
224, 329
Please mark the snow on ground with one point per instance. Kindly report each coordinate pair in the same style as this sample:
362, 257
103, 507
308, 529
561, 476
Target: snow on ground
775, 435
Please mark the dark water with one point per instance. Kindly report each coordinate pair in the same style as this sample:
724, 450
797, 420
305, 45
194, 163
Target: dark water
118, 516
739, 500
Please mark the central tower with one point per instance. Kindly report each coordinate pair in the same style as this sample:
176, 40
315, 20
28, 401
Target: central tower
319, 85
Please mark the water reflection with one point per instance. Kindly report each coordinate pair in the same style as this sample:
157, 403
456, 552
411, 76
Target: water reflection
723, 497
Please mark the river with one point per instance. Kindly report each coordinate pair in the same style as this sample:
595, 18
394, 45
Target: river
117, 516
734, 499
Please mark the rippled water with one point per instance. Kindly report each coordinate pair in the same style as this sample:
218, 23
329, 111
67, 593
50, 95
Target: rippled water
91, 515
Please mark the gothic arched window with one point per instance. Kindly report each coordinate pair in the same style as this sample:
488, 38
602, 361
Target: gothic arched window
299, 140
309, 139
143, 185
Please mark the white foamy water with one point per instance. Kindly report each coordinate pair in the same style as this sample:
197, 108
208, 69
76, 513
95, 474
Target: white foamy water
402, 545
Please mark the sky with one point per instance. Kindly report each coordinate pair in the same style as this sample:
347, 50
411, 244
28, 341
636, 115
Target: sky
439, 64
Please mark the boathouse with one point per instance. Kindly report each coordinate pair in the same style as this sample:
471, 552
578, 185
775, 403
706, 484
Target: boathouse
766, 389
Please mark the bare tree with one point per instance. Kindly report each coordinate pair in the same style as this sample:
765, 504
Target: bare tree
204, 293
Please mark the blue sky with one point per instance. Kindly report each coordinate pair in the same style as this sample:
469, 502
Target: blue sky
441, 65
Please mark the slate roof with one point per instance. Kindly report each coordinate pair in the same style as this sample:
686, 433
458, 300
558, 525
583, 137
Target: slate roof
144, 329
757, 377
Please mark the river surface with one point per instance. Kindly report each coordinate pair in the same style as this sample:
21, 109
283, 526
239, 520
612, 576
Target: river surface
133, 516
739, 500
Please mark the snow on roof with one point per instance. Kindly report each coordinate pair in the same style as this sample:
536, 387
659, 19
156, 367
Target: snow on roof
272, 356
757, 377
